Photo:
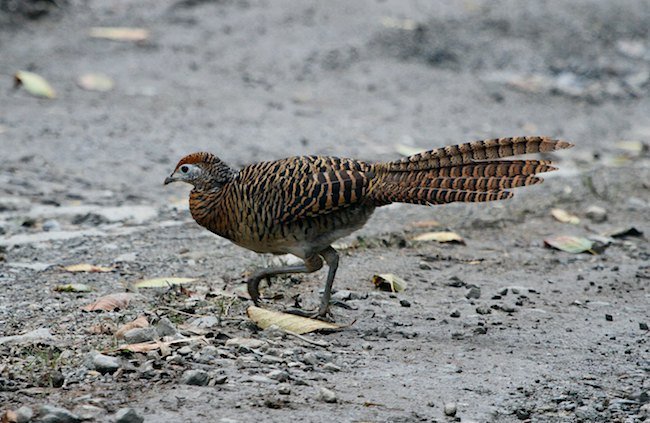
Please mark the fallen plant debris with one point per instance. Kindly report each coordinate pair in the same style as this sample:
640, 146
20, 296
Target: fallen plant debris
571, 244
95, 82
288, 322
162, 282
564, 216
34, 84
110, 302
442, 237
389, 282
120, 33
140, 322
73, 287
85, 267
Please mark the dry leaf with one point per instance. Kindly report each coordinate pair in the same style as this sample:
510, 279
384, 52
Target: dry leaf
73, 287
35, 84
95, 82
85, 267
110, 302
564, 216
289, 322
155, 345
444, 236
389, 282
120, 33
632, 146
407, 150
140, 322
9, 416
162, 282
570, 244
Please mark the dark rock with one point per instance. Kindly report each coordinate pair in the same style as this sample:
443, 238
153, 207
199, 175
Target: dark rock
454, 313
609, 317
195, 377
473, 293
52, 414
127, 415
483, 310
404, 303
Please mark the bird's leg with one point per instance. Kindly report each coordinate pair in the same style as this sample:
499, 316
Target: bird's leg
311, 264
332, 259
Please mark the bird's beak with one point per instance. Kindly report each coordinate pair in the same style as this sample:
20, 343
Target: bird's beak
169, 180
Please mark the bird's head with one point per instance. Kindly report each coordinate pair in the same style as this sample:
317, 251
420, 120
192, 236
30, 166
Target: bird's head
203, 170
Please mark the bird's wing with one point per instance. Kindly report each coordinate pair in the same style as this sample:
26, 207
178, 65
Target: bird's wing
297, 188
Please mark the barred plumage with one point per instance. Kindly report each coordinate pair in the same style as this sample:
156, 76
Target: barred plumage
301, 205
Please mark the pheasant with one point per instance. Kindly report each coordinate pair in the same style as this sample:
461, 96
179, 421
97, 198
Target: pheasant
301, 205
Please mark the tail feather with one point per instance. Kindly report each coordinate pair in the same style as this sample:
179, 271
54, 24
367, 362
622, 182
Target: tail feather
468, 172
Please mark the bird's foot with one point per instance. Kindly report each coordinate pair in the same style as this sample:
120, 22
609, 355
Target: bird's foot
319, 314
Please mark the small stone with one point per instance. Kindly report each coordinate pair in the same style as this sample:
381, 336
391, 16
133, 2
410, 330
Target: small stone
596, 214
310, 358
284, 389
103, 363
88, 412
586, 413
186, 350
219, 380
454, 313
450, 409
424, 265
503, 292
51, 225
331, 367
404, 303
139, 335
483, 310
342, 295
473, 293
643, 326
248, 343
165, 327
204, 322
127, 415
279, 375
51, 414
481, 330
455, 282
195, 377
508, 308
327, 395
24, 414
609, 317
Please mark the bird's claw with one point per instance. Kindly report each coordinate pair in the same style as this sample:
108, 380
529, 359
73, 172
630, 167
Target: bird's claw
311, 314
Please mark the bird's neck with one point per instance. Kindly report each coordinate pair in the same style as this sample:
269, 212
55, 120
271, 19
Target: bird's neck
206, 208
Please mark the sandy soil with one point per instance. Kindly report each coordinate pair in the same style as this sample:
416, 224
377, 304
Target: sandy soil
553, 336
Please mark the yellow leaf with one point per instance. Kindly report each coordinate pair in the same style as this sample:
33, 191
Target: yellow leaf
73, 287
564, 216
162, 282
120, 33
570, 244
85, 267
289, 322
405, 24
444, 236
35, 84
95, 82
389, 282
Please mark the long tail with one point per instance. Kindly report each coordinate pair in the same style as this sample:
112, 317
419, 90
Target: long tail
470, 172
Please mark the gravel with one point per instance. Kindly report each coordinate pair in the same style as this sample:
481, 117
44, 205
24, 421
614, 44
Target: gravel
195, 377
103, 363
128, 415
327, 395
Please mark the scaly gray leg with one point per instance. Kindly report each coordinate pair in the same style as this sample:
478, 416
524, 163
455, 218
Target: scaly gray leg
312, 264
332, 259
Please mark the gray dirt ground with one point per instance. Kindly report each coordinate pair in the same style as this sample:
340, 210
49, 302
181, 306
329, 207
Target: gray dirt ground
81, 182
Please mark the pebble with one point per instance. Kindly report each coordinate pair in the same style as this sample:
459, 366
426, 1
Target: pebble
284, 389
310, 358
127, 415
404, 303
103, 363
330, 367
138, 335
51, 225
327, 395
186, 350
279, 375
24, 414
586, 413
52, 414
643, 326
455, 282
165, 327
195, 377
609, 317
454, 313
596, 214
483, 310
474, 292
88, 412
249, 343
450, 409
204, 322
508, 308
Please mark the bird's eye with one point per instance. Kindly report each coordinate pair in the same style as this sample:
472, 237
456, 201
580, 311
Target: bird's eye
184, 169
